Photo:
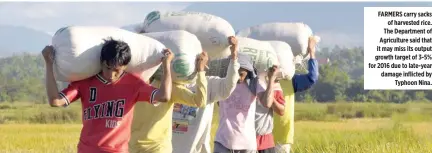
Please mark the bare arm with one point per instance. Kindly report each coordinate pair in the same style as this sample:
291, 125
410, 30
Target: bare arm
266, 98
54, 99
278, 106
164, 93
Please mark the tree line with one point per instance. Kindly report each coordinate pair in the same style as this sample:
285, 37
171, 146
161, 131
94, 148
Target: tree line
22, 79
342, 80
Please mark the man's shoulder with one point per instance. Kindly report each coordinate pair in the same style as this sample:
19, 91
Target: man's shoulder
131, 77
130, 80
83, 82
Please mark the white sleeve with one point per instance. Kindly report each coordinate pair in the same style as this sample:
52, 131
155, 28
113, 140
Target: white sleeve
221, 88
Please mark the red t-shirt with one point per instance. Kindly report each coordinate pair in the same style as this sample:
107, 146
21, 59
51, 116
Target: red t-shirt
107, 110
266, 141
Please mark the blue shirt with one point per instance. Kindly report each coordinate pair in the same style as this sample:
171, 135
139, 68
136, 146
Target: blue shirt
302, 82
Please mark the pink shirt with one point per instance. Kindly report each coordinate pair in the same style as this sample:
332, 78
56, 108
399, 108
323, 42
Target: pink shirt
237, 119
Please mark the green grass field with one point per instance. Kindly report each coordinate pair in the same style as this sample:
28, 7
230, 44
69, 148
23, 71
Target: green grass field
320, 128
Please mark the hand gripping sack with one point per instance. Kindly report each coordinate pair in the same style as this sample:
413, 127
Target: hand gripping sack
295, 34
78, 48
285, 57
212, 31
186, 47
262, 54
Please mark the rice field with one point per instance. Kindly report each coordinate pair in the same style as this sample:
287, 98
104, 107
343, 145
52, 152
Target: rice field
399, 133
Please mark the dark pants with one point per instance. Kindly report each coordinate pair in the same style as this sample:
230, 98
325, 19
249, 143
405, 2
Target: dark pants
219, 148
268, 150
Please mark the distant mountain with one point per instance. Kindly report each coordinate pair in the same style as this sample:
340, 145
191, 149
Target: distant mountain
16, 39
337, 23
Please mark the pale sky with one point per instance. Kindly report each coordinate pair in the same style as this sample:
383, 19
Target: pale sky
50, 16
341, 24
